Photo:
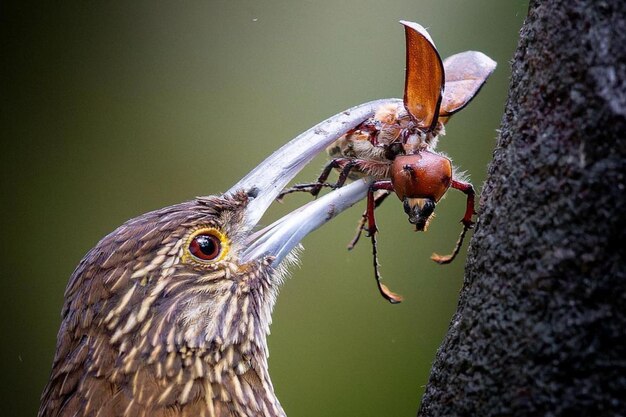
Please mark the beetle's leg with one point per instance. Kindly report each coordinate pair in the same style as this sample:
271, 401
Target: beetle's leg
371, 220
345, 171
467, 222
306, 188
371, 226
315, 187
468, 190
346, 165
378, 200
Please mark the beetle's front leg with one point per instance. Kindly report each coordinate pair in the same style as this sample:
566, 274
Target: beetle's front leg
378, 200
468, 190
373, 230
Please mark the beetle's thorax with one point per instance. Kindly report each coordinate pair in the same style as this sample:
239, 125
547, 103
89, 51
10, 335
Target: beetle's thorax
421, 175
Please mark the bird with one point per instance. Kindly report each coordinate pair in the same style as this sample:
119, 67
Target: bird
168, 315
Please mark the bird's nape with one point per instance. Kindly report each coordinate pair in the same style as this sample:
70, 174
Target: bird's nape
168, 315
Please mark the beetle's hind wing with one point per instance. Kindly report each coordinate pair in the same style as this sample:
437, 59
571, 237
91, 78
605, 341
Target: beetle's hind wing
466, 73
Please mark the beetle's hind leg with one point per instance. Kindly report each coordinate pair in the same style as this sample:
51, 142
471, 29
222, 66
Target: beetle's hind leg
345, 164
310, 187
467, 222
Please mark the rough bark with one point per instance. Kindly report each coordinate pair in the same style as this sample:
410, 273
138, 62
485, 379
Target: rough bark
540, 327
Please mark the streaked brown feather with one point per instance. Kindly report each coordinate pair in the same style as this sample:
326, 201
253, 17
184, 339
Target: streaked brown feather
144, 333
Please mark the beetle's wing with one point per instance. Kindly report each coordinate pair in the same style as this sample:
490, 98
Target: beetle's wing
424, 81
466, 73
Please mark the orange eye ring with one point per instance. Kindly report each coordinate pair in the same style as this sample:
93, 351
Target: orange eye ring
206, 245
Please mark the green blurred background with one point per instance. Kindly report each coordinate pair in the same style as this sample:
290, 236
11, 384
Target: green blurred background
110, 110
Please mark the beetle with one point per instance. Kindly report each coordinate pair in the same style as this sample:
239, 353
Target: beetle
397, 146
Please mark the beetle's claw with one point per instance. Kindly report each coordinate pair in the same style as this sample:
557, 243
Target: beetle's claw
446, 259
468, 224
389, 295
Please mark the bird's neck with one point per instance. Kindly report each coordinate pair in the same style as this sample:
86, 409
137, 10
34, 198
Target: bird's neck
216, 350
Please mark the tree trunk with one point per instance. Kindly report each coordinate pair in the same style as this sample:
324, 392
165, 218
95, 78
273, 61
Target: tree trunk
540, 327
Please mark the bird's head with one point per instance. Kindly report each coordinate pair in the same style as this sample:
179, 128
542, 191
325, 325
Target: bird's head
175, 303
174, 279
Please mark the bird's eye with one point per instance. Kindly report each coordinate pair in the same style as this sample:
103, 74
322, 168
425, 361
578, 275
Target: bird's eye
205, 246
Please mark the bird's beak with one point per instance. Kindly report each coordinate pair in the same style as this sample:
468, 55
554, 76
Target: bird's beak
279, 238
267, 180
